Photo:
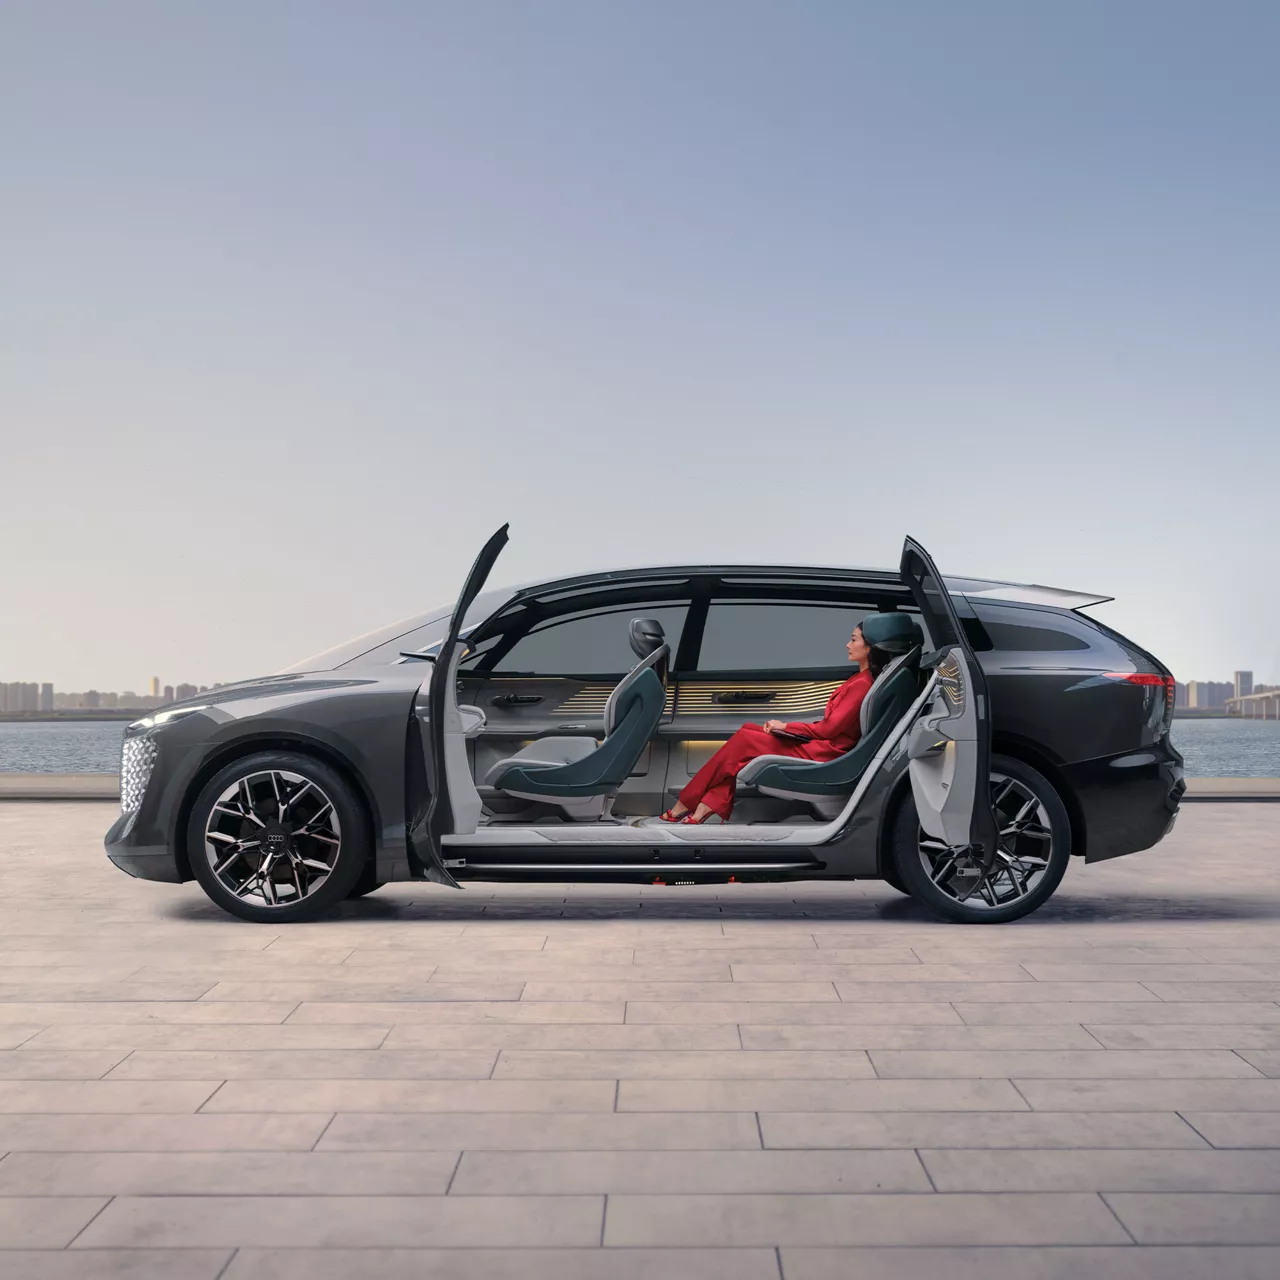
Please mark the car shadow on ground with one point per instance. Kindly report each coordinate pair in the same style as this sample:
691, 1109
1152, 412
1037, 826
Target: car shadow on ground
869, 905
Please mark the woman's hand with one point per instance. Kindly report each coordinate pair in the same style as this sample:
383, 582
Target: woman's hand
773, 725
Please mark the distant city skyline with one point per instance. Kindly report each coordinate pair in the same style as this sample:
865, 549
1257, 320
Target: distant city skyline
28, 696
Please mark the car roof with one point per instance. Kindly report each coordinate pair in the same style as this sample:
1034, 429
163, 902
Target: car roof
973, 587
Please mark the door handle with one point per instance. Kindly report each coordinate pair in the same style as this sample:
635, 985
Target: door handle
744, 695
517, 700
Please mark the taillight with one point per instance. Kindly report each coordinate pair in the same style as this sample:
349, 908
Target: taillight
1150, 680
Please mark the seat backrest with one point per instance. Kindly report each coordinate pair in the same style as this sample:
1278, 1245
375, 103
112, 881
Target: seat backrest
649, 644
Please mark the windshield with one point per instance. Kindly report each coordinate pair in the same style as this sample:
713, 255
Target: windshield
383, 647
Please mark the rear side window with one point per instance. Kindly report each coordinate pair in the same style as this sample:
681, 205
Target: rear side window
777, 635
1031, 630
587, 644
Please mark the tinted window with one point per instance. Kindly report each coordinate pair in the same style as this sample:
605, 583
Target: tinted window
587, 644
1031, 630
757, 635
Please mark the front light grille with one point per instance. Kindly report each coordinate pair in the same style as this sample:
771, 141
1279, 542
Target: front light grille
137, 759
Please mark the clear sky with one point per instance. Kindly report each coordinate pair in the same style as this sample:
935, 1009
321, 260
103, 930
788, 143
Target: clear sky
300, 300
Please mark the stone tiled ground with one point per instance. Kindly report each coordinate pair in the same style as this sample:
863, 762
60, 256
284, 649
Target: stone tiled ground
744, 1083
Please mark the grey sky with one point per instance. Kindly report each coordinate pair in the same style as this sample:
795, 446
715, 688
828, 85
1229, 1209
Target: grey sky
299, 300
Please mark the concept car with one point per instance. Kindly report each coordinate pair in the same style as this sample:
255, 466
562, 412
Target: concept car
535, 733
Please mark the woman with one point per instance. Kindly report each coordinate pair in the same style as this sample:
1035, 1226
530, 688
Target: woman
711, 788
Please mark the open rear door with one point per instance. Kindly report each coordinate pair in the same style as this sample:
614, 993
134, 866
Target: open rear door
949, 746
446, 758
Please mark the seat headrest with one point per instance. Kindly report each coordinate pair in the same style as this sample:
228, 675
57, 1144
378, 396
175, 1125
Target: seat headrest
895, 633
646, 636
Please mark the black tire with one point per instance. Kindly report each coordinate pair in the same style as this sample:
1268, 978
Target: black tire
909, 860
889, 874
345, 844
362, 890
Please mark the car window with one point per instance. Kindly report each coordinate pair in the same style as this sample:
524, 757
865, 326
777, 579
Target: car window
1030, 630
596, 643
777, 635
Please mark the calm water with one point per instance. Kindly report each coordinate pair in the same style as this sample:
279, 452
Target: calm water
1213, 748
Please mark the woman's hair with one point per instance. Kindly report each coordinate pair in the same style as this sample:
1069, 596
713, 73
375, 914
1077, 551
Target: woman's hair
878, 659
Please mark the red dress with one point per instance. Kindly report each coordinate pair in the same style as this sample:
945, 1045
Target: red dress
837, 732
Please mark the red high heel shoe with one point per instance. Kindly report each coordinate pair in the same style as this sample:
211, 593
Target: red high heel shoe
690, 821
669, 815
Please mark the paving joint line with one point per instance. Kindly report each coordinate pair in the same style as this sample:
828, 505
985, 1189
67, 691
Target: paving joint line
1103, 1197
226, 1266
110, 1200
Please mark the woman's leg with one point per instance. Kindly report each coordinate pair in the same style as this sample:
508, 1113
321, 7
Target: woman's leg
711, 789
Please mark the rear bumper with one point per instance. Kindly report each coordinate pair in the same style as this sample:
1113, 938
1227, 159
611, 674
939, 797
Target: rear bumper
1130, 801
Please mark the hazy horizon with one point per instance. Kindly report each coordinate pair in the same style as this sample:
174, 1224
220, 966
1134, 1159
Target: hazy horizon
299, 302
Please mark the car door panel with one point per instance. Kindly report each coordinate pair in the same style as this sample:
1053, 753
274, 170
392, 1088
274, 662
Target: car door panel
949, 745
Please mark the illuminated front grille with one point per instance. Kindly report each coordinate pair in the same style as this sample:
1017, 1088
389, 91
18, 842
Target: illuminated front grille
137, 759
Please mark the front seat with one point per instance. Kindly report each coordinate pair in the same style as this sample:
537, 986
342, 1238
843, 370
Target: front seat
826, 785
578, 774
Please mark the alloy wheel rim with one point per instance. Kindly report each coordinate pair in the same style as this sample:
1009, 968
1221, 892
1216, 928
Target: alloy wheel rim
272, 838
1022, 855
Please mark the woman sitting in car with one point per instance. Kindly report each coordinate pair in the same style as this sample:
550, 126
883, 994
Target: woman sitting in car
711, 789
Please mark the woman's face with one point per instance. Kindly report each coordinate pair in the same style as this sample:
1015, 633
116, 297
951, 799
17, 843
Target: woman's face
857, 648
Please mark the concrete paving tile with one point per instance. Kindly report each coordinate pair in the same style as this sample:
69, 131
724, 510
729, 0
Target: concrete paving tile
1081, 1262
341, 989
1203, 1218
675, 1172
509, 1264
1114, 1170
462, 1012
241, 1036
31, 991
819, 1013
674, 1065
598, 1131
1238, 1128
1033, 1130
978, 992
559, 967
56, 1064
643, 988
1214, 991
1268, 1062
1029, 954
18, 1096
1180, 1036
929, 1038
116, 1264
1188, 973
1151, 1095
1122, 1013
208, 1173
346, 1221
40, 1222
596, 1036
1096, 1064
306, 1064
134, 1012
199, 1132
13, 1034
859, 1219
735, 953
818, 1095
412, 1095
870, 975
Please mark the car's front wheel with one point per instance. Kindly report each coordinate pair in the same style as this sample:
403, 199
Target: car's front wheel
1034, 848
278, 836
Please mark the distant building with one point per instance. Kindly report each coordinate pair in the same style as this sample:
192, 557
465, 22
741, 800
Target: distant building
1208, 695
30, 697
1179, 696
46, 697
91, 699
1243, 684
111, 700
168, 693
185, 691
155, 686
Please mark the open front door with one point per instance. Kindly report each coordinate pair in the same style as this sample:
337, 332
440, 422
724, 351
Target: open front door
448, 771
949, 746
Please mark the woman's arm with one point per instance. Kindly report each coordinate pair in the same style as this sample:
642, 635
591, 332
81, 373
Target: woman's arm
841, 721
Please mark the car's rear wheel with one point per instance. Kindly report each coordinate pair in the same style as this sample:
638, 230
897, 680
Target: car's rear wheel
278, 836
1035, 846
